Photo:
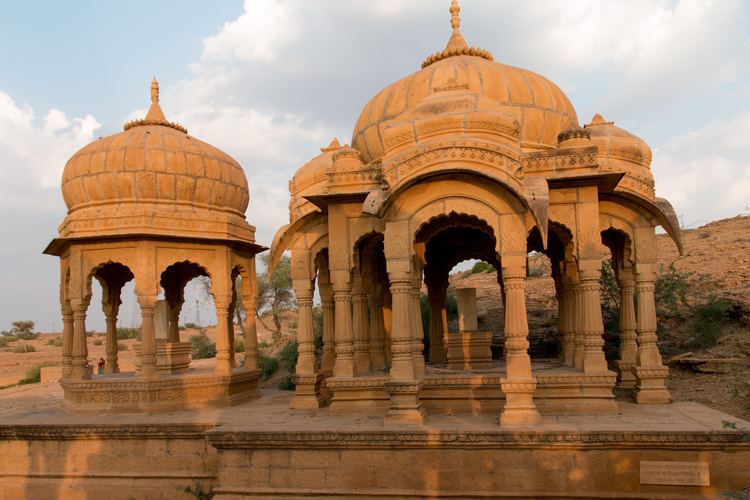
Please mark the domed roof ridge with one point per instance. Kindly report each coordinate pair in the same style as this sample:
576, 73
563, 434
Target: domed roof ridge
155, 115
457, 45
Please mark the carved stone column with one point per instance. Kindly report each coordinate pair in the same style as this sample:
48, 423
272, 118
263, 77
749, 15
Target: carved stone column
403, 386
148, 338
307, 380
649, 370
329, 353
567, 314
173, 334
628, 345
344, 365
438, 325
224, 350
578, 336
110, 314
377, 330
360, 328
417, 328
67, 335
519, 383
79, 369
592, 325
251, 332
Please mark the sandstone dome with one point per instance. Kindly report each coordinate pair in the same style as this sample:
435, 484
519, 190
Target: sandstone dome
540, 108
150, 170
615, 142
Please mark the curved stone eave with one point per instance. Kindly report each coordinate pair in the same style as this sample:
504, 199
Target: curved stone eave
664, 214
519, 192
284, 236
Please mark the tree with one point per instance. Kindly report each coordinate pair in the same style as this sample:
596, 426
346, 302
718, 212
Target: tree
275, 293
23, 330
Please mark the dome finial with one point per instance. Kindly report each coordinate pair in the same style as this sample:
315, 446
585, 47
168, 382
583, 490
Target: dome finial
455, 20
154, 90
154, 115
456, 46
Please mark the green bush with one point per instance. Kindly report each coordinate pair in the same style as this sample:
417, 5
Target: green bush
263, 344
239, 345
202, 347
33, 374
482, 267
671, 293
286, 384
288, 356
23, 348
708, 321
98, 342
128, 333
4, 341
191, 326
267, 365
121, 346
58, 342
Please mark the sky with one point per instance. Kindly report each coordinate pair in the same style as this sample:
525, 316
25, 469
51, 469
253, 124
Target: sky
271, 81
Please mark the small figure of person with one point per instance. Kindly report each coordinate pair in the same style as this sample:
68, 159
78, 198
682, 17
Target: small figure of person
101, 364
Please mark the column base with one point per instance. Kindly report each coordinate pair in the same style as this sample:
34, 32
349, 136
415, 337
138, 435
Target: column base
307, 392
344, 367
362, 362
625, 376
81, 372
519, 409
405, 408
650, 388
377, 360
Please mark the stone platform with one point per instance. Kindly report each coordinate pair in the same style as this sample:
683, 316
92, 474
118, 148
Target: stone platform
560, 389
261, 448
126, 392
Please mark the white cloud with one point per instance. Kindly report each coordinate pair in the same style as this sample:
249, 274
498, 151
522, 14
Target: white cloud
264, 28
33, 154
705, 173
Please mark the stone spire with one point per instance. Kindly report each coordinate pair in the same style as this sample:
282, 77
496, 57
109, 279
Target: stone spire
154, 116
154, 112
456, 41
457, 46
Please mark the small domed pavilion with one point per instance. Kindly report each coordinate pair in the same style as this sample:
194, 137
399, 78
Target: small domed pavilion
469, 158
155, 205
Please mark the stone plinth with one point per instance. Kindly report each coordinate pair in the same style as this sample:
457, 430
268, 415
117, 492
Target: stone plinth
469, 350
173, 357
262, 448
126, 393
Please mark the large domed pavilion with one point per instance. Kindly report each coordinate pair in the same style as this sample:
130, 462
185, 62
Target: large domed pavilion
158, 206
469, 158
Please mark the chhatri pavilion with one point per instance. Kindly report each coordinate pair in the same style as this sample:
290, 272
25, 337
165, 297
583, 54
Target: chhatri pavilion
469, 158
155, 205
466, 158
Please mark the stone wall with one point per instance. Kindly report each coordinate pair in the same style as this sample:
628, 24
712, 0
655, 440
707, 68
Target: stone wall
105, 462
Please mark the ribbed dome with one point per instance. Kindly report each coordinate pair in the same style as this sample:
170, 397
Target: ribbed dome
614, 142
151, 161
152, 169
541, 109
310, 179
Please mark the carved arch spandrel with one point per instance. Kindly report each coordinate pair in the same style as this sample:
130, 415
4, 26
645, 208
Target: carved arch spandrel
638, 226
